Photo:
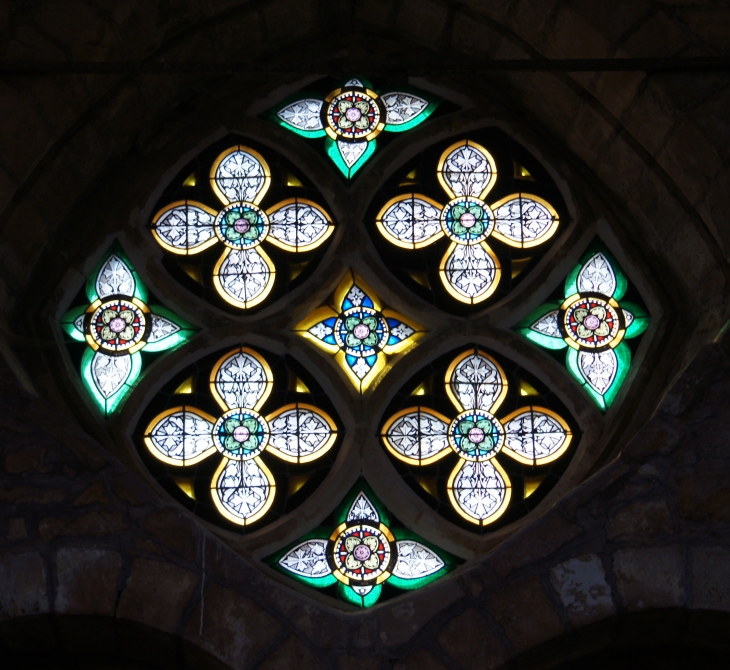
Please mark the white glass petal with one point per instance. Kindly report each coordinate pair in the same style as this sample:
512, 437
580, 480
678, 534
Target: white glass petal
628, 317
476, 382
356, 295
240, 176
599, 369
298, 225
303, 114
416, 560
353, 82
299, 434
412, 221
110, 372
479, 490
351, 151
79, 323
244, 277
161, 328
361, 368
534, 435
182, 436
114, 278
523, 221
418, 435
471, 272
548, 324
467, 171
321, 330
243, 489
363, 510
241, 381
402, 107
597, 276
185, 228
308, 559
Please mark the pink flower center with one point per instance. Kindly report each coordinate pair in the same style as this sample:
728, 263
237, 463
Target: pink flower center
117, 324
361, 552
241, 226
475, 435
353, 114
467, 219
591, 322
361, 331
241, 433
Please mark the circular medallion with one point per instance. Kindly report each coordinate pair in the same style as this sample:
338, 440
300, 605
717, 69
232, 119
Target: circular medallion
353, 114
591, 321
467, 220
362, 554
241, 225
241, 434
476, 435
119, 325
361, 331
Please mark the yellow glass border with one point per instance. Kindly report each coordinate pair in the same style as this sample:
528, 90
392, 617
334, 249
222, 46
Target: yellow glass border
134, 348
385, 575
267, 373
219, 503
418, 332
578, 347
453, 397
462, 143
546, 459
406, 459
317, 454
172, 461
453, 292
534, 243
398, 242
188, 251
240, 147
371, 135
500, 510
244, 304
307, 247
459, 453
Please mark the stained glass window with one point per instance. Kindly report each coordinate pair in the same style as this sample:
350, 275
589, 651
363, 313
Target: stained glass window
364, 555
117, 326
465, 221
351, 116
241, 228
479, 438
358, 332
591, 324
239, 437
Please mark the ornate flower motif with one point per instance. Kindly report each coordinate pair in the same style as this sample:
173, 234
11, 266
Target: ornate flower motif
358, 332
117, 325
244, 274
479, 488
362, 554
243, 488
469, 270
591, 325
351, 117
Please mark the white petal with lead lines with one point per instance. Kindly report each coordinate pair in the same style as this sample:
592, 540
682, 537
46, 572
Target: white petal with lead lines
363, 510
161, 328
303, 114
240, 176
181, 437
470, 272
476, 382
416, 560
241, 381
534, 435
411, 221
523, 222
418, 435
597, 276
467, 171
297, 225
308, 559
548, 324
243, 490
109, 373
185, 229
351, 151
114, 278
628, 317
478, 489
599, 369
243, 277
300, 434
402, 107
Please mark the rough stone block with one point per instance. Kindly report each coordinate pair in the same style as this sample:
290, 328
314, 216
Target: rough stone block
640, 519
156, 594
420, 660
649, 577
573, 37
526, 626
469, 640
473, 37
711, 578
292, 654
87, 581
174, 530
582, 587
22, 585
95, 494
16, 529
658, 36
31, 458
95, 524
424, 20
